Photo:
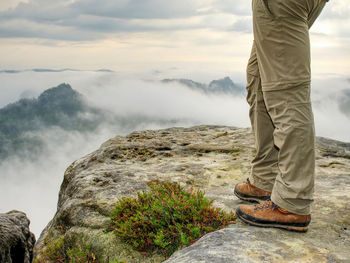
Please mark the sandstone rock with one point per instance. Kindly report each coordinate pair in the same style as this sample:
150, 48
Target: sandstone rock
16, 241
213, 158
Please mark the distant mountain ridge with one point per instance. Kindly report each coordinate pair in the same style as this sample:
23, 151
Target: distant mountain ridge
59, 106
22, 123
224, 85
48, 108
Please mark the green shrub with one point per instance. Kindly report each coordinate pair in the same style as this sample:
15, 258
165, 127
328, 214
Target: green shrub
57, 250
166, 218
54, 250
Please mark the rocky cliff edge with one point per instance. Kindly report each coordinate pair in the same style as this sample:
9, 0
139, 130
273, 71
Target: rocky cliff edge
212, 158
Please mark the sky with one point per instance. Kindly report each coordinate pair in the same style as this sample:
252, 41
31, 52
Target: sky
196, 36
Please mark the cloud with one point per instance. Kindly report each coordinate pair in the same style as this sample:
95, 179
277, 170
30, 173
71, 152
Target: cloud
236, 7
344, 102
31, 29
336, 9
330, 120
9, 4
41, 11
92, 19
129, 9
143, 104
13, 71
242, 25
98, 19
33, 186
146, 104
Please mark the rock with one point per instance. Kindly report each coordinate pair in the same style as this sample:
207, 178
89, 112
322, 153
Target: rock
16, 241
213, 158
223, 86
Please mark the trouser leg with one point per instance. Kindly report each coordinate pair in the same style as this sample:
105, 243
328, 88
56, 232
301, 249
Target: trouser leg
290, 110
264, 164
283, 53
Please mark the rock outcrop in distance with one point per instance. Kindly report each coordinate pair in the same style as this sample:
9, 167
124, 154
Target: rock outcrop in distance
16, 240
22, 122
211, 158
224, 86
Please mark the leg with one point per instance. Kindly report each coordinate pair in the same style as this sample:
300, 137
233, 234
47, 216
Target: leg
281, 35
294, 135
283, 53
264, 165
291, 112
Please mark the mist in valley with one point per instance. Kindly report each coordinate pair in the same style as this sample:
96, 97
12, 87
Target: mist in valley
131, 103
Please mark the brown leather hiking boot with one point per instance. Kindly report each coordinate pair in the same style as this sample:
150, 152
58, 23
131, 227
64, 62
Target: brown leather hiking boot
268, 214
248, 192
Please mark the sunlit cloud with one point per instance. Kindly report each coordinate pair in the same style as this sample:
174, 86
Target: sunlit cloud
125, 35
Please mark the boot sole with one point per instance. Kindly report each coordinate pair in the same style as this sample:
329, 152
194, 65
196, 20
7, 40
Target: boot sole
302, 229
250, 198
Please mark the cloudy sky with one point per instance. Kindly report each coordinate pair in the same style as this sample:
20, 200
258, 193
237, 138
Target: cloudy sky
137, 35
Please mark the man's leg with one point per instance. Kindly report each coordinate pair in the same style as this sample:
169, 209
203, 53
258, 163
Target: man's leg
291, 112
291, 196
294, 133
283, 52
264, 164
281, 32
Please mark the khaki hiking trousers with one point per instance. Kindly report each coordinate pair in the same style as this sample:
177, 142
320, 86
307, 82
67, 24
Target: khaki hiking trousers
278, 92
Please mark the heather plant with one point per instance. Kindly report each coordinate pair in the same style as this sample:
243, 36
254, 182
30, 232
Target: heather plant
81, 254
166, 218
54, 250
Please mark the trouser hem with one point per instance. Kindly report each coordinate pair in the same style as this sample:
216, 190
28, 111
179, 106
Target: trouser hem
278, 200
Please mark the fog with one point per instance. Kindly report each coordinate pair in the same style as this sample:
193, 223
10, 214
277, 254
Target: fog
329, 120
33, 186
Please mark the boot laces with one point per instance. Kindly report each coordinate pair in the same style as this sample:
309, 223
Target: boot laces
268, 204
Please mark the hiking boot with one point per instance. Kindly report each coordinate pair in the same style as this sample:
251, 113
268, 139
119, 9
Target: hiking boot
248, 192
268, 214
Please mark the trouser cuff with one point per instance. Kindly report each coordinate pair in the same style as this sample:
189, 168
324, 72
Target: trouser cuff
297, 206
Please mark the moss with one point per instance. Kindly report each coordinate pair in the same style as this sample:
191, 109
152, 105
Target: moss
54, 250
61, 249
166, 218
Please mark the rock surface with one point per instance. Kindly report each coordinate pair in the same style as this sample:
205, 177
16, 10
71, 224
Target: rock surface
16, 241
212, 158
